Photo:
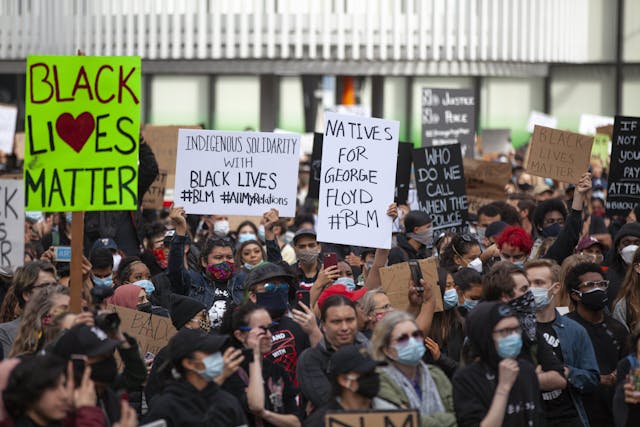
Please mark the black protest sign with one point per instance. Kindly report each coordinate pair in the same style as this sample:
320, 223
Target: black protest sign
403, 172
388, 418
624, 176
440, 184
448, 117
316, 167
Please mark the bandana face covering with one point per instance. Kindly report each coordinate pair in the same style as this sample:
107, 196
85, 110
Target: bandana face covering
158, 254
221, 271
525, 307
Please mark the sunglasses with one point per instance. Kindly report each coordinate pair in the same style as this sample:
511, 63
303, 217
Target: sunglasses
273, 287
264, 328
404, 338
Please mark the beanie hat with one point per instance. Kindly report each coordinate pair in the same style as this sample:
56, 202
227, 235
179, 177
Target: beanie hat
184, 309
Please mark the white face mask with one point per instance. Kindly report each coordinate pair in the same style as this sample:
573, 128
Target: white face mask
221, 228
116, 261
476, 264
627, 253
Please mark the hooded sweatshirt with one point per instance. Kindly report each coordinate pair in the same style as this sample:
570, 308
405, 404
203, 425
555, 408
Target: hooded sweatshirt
475, 384
617, 267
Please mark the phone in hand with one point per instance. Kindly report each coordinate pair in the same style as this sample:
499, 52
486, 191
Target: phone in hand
303, 296
62, 253
416, 275
330, 260
248, 354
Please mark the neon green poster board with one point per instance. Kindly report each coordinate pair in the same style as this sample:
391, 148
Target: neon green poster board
601, 148
82, 131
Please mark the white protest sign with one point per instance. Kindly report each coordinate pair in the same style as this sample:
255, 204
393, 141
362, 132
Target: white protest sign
357, 184
236, 173
589, 123
8, 115
11, 222
541, 119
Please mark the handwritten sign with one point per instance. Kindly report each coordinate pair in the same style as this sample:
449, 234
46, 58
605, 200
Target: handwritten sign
82, 130
154, 197
624, 177
8, 115
151, 331
589, 123
236, 173
356, 188
558, 154
395, 282
601, 148
448, 117
486, 179
163, 141
440, 183
316, 167
11, 222
403, 172
389, 418
541, 119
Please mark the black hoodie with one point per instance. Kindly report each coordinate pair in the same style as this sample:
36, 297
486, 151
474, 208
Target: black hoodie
403, 252
475, 384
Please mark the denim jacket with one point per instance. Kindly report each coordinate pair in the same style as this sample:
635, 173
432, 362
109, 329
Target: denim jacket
579, 356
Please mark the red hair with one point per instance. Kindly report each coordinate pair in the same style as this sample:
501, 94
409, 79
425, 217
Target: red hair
517, 237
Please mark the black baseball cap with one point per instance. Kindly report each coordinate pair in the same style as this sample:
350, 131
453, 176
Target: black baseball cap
86, 340
304, 232
351, 359
187, 341
266, 271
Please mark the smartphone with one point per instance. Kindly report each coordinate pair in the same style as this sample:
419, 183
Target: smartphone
79, 362
303, 296
330, 260
248, 354
416, 274
62, 253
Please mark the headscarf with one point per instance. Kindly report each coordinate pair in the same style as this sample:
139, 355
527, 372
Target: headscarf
126, 296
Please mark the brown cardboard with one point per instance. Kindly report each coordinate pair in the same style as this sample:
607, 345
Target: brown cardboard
154, 197
151, 331
486, 179
404, 418
558, 154
395, 282
605, 130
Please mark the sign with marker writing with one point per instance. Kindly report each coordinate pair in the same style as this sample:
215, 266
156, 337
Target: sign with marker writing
403, 172
439, 174
11, 222
357, 182
448, 117
236, 173
388, 418
486, 179
624, 176
8, 115
154, 197
558, 154
316, 167
82, 131
541, 119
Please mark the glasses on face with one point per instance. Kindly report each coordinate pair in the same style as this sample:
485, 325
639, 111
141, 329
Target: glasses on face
404, 338
505, 332
592, 284
264, 328
551, 221
273, 287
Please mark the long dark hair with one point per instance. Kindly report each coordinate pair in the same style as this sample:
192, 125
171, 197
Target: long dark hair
460, 245
447, 320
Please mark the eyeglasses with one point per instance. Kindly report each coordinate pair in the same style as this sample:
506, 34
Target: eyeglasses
505, 332
264, 328
600, 284
273, 287
551, 221
417, 334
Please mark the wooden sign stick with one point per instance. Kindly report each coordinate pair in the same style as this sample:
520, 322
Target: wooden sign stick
77, 240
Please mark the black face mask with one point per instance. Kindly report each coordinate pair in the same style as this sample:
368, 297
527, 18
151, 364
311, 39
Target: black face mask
104, 372
369, 385
525, 187
595, 300
276, 302
144, 307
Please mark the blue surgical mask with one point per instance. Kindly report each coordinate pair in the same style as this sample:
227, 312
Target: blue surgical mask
509, 347
213, 366
450, 299
552, 230
347, 282
261, 233
411, 353
541, 296
102, 281
470, 304
147, 285
519, 264
245, 237
251, 267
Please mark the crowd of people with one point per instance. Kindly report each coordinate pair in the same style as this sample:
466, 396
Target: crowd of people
539, 325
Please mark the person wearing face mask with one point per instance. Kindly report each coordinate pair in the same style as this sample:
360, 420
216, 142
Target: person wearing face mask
514, 245
497, 388
571, 343
626, 306
190, 397
354, 384
588, 291
416, 241
463, 251
266, 391
406, 382
620, 257
469, 286
101, 261
308, 251
592, 248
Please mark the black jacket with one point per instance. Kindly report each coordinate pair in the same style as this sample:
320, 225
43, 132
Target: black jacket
403, 252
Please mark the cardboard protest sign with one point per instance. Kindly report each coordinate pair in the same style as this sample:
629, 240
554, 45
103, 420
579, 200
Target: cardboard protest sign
18, 145
589, 123
440, 183
541, 119
496, 141
476, 202
236, 173
151, 331
395, 282
163, 141
11, 222
624, 175
316, 167
8, 115
605, 130
558, 154
403, 172
448, 117
82, 131
357, 183
387, 418
154, 197
486, 179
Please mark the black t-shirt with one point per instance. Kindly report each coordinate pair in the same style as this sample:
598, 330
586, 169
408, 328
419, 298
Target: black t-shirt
287, 343
557, 403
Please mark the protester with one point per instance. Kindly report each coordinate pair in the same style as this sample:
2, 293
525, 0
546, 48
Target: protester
592, 247
620, 257
468, 284
497, 388
463, 251
626, 401
307, 253
626, 306
101, 267
406, 382
372, 307
414, 242
154, 255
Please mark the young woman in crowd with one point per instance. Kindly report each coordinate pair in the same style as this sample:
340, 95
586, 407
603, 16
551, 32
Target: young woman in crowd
463, 251
406, 382
626, 306
626, 401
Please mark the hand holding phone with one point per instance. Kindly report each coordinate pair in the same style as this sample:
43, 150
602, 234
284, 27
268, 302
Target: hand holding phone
416, 275
330, 260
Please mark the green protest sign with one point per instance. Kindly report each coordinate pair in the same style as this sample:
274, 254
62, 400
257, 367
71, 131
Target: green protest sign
601, 148
82, 130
